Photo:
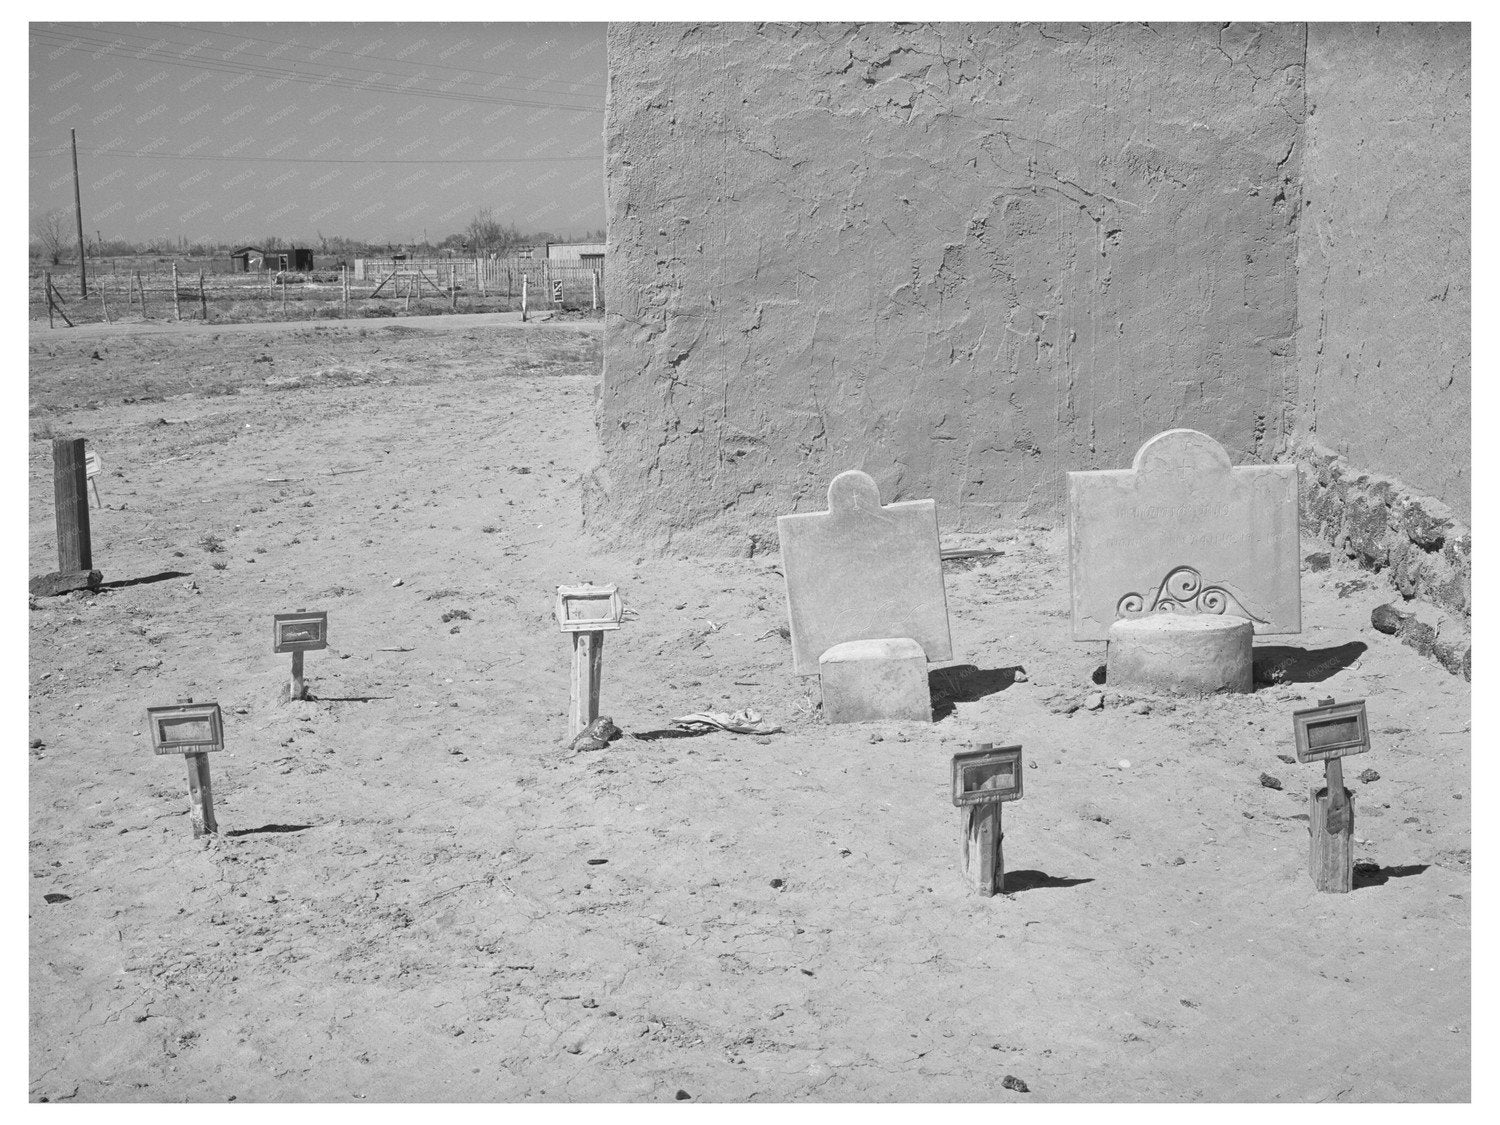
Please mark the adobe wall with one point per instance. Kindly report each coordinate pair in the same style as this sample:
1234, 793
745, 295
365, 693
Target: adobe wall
965, 259
1383, 259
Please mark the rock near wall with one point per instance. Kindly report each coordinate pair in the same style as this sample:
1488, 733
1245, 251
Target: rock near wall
965, 259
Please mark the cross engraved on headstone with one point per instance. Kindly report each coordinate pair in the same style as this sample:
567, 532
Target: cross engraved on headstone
863, 570
1184, 531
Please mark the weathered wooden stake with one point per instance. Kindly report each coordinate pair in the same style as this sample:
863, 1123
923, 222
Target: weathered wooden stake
1330, 859
60, 303
344, 287
984, 861
200, 792
70, 490
103, 304
202, 296
594, 274
523, 298
141, 285
176, 295
283, 294
588, 669
47, 291
299, 689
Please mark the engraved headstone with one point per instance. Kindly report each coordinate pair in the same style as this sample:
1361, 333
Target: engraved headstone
1184, 531
863, 571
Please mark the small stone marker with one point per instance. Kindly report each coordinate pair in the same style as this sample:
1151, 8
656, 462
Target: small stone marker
296, 633
587, 611
94, 464
983, 780
864, 572
192, 730
1327, 733
880, 679
1183, 531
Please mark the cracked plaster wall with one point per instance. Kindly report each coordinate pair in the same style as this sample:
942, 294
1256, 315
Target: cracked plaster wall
965, 259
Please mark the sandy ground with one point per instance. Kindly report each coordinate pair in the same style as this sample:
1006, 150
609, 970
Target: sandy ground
417, 894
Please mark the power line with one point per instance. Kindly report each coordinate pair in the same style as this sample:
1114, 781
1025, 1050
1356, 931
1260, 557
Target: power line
81, 43
278, 160
379, 58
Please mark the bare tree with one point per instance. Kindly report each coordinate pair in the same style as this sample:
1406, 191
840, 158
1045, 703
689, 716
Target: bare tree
51, 233
487, 233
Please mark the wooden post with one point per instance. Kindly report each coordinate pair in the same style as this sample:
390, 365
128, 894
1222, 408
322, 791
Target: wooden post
58, 299
70, 491
176, 296
103, 304
344, 287
523, 298
594, 275
47, 292
142, 286
588, 667
202, 296
984, 861
453, 287
1330, 816
408, 294
479, 273
282, 276
201, 793
299, 688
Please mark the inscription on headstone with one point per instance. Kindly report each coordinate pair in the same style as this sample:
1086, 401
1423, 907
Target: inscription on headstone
1184, 531
863, 571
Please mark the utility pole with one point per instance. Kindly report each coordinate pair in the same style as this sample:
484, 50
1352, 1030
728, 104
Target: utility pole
83, 273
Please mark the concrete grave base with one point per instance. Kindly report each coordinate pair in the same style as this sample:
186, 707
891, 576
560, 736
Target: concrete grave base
877, 679
1181, 654
62, 582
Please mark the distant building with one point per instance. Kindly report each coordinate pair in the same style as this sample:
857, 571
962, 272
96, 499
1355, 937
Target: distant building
248, 258
584, 253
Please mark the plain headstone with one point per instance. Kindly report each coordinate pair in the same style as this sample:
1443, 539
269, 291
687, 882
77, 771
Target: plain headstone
1184, 531
876, 679
863, 571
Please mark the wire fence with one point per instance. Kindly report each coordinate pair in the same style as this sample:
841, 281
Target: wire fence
190, 290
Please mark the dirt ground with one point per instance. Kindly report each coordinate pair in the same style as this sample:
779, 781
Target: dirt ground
417, 894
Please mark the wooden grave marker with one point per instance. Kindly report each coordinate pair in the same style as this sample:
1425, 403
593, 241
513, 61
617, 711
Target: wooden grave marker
586, 611
1184, 531
296, 633
193, 730
983, 780
1327, 733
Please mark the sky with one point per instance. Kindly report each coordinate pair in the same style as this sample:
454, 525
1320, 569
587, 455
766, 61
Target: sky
386, 132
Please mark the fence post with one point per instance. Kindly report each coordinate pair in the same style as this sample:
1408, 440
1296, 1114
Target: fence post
523, 298
202, 296
594, 274
47, 292
176, 296
103, 304
142, 285
282, 276
70, 493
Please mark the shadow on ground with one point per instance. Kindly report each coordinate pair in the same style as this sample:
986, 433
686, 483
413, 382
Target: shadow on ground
269, 828
1373, 875
162, 577
966, 684
1292, 664
1018, 881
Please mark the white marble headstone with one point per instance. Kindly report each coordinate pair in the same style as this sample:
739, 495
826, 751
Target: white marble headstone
862, 571
1184, 531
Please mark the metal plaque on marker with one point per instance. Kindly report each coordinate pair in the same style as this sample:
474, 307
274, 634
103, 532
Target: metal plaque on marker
987, 775
1334, 731
186, 728
299, 632
588, 609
